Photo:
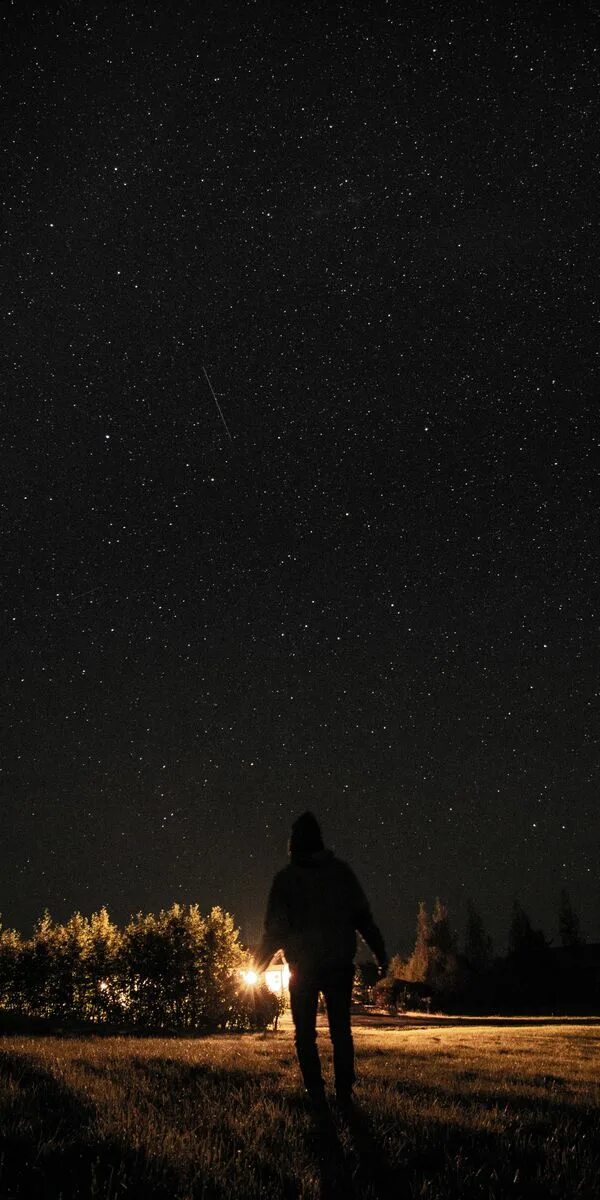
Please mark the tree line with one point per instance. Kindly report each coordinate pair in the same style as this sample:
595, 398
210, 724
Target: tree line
532, 977
176, 970
182, 971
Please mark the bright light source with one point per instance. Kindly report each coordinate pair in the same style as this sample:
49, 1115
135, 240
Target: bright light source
250, 977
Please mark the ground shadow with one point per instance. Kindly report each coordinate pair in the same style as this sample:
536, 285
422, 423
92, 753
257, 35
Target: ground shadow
458, 1162
550, 1104
48, 1150
489, 1157
372, 1169
51, 1150
161, 1068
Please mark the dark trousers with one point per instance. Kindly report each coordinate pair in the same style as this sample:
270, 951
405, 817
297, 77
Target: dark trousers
335, 983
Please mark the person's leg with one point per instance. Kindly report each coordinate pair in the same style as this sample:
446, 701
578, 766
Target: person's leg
304, 995
336, 986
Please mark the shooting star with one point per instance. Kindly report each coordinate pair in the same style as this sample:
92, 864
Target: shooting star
219, 409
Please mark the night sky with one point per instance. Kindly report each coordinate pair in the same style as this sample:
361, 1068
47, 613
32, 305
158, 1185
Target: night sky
369, 584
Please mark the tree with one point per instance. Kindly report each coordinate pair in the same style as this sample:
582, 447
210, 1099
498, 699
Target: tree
177, 970
183, 930
434, 960
222, 958
158, 959
523, 939
398, 967
53, 968
442, 967
180, 969
11, 946
478, 944
366, 976
70, 967
529, 975
106, 995
38, 969
568, 922
418, 963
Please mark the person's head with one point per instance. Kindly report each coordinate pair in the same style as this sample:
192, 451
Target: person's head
305, 837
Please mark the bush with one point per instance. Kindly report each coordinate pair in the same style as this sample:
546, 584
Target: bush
255, 1008
178, 970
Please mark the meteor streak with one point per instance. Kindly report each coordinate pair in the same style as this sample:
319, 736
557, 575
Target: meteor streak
219, 409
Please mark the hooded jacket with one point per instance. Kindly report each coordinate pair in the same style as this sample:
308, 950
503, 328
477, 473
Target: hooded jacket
315, 906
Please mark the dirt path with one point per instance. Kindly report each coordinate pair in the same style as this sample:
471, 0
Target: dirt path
412, 1020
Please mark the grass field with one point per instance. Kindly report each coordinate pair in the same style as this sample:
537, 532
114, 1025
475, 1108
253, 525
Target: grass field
442, 1112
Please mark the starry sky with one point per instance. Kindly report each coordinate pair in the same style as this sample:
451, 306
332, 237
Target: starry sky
299, 454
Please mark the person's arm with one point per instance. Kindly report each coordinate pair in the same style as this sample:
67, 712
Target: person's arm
364, 923
373, 937
276, 925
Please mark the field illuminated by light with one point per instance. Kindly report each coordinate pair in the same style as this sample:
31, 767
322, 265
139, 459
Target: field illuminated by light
442, 1112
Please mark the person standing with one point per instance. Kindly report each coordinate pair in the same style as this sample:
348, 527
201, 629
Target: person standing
314, 909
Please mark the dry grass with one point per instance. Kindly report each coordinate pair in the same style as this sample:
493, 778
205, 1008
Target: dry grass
443, 1112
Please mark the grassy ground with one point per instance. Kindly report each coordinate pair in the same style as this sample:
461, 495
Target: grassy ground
442, 1113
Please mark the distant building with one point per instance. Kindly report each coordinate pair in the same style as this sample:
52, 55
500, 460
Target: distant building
277, 977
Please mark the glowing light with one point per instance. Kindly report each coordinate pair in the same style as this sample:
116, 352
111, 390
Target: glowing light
250, 977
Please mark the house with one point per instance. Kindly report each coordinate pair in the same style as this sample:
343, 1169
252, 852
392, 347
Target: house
277, 977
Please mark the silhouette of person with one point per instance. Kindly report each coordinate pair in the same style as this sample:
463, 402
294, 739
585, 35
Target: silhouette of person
315, 907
